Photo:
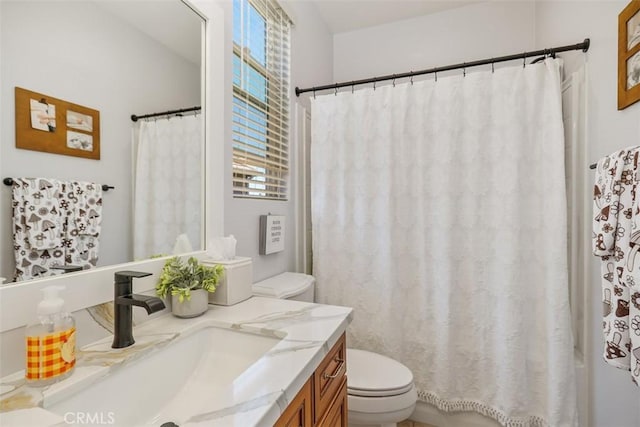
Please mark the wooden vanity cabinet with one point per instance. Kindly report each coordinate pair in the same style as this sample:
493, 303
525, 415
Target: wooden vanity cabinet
299, 411
322, 401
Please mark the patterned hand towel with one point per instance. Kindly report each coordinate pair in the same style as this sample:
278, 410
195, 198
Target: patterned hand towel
88, 207
37, 218
83, 202
616, 240
606, 199
38, 227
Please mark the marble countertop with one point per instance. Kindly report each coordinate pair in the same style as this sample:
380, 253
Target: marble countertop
255, 398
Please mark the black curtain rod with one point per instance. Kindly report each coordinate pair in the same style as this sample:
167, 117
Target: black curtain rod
135, 118
105, 187
584, 46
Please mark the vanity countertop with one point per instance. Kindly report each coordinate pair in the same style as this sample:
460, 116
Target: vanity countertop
255, 398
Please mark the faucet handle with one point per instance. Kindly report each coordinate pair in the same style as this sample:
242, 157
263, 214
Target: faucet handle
127, 276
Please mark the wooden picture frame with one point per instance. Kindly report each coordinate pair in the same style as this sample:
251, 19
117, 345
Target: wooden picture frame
45, 123
629, 55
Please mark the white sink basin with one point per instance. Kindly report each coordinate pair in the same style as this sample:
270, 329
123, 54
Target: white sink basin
170, 383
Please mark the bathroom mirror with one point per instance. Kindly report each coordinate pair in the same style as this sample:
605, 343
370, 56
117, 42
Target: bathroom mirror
119, 58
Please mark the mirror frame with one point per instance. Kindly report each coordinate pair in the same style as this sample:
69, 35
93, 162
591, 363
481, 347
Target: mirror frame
92, 287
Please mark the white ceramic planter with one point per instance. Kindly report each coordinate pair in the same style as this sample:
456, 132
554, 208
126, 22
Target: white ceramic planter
194, 307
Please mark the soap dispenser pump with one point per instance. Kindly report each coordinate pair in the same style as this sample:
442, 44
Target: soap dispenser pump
50, 341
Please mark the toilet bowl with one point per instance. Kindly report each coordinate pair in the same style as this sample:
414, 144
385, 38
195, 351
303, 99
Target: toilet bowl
380, 390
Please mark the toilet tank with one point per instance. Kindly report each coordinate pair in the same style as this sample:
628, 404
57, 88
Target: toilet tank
293, 286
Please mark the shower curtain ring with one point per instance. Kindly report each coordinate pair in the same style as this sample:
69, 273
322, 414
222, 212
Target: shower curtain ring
394, 81
524, 59
464, 69
374, 83
335, 90
352, 86
411, 78
436, 73
314, 94
492, 66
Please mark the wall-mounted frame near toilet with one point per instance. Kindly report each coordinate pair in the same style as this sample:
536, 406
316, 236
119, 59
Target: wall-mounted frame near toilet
629, 55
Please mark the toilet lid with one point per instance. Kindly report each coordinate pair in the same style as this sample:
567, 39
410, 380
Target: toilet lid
283, 285
372, 374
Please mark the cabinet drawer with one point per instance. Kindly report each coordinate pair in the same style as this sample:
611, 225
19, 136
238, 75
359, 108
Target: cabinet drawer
329, 377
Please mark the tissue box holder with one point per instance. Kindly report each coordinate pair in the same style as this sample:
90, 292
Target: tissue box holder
235, 285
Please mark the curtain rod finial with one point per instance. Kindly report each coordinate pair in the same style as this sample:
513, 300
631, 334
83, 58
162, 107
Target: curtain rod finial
587, 43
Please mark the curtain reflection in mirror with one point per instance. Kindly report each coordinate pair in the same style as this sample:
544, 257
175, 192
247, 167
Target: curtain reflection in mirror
168, 177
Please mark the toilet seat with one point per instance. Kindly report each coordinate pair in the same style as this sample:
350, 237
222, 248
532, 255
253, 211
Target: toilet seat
374, 375
383, 405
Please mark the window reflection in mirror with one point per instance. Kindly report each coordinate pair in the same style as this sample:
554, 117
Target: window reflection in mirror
120, 58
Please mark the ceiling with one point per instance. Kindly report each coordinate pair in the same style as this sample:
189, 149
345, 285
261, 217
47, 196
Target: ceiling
169, 22
348, 15
172, 23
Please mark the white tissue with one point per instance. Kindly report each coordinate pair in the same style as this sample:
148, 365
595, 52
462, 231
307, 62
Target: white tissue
182, 245
222, 248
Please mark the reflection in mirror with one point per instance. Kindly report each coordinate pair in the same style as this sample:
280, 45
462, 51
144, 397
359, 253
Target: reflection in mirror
119, 58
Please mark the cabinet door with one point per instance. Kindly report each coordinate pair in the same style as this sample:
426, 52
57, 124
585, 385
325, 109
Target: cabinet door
298, 413
337, 414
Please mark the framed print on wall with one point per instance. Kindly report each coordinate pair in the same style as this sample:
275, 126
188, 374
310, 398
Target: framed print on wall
629, 55
52, 125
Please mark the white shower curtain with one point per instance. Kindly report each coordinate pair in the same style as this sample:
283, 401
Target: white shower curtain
168, 183
439, 214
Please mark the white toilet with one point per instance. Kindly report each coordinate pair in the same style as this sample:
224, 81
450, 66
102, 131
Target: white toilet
380, 390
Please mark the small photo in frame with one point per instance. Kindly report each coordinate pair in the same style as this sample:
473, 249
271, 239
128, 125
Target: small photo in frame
629, 55
633, 31
79, 121
79, 141
633, 71
43, 115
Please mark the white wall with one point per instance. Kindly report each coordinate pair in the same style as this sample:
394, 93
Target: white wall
614, 400
311, 63
113, 68
457, 35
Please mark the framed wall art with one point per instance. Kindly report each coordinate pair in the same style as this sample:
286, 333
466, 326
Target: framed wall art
271, 234
45, 123
629, 55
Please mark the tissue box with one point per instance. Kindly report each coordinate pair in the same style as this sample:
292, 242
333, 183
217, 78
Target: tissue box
235, 285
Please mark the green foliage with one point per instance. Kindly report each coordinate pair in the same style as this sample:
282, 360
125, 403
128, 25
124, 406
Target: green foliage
180, 278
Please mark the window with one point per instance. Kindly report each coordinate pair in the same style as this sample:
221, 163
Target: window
260, 99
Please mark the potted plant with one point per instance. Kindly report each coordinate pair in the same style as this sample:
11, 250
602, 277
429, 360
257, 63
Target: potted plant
189, 284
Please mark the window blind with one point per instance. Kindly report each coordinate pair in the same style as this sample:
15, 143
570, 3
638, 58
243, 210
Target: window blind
260, 99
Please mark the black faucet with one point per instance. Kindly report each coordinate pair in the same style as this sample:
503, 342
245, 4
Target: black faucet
122, 302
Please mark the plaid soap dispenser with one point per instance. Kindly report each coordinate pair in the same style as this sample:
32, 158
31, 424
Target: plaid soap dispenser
50, 341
